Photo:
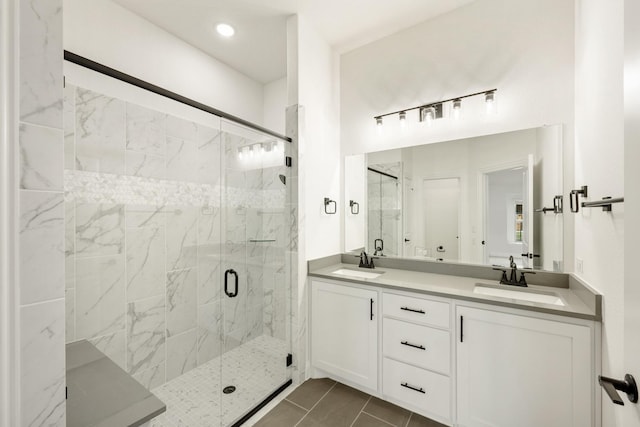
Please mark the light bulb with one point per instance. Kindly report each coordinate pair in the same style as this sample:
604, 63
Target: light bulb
489, 99
457, 106
225, 30
240, 153
427, 114
403, 118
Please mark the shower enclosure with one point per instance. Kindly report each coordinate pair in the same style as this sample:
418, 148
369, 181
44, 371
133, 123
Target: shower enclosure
384, 220
176, 250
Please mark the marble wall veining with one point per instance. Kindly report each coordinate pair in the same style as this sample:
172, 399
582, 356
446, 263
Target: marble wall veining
295, 260
156, 208
41, 241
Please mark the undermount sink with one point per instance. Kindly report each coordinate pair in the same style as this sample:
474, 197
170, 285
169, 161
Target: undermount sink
524, 294
356, 273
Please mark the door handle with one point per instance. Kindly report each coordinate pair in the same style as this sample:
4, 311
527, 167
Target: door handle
530, 255
627, 386
226, 283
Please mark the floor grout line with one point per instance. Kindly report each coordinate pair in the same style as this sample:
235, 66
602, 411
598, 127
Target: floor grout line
294, 403
361, 410
409, 419
316, 404
377, 418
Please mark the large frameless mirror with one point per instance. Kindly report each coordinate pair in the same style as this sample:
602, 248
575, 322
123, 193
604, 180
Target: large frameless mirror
477, 200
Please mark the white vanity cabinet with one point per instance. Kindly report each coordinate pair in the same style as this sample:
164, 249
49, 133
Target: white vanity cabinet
514, 370
461, 363
344, 331
416, 349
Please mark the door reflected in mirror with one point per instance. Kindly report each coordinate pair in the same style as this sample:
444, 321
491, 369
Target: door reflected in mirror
477, 200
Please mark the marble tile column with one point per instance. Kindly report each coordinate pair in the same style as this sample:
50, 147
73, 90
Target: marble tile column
296, 259
42, 215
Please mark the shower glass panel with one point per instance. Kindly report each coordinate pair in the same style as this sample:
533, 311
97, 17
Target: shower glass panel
256, 335
383, 205
161, 206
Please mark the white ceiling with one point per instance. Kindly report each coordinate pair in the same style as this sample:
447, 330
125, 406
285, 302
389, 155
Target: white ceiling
259, 47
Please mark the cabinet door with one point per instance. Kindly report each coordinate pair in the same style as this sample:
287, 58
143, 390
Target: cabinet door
344, 332
521, 371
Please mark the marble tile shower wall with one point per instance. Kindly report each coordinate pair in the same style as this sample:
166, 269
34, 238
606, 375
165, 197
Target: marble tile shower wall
40, 259
383, 210
145, 202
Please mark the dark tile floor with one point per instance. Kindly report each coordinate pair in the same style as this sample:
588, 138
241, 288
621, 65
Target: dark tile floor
326, 403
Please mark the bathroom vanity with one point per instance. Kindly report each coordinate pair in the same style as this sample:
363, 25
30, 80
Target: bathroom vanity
456, 349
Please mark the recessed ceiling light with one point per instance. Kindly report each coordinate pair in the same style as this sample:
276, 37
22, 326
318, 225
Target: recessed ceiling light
225, 30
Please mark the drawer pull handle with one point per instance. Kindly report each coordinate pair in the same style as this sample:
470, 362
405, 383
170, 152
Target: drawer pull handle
412, 310
419, 390
407, 343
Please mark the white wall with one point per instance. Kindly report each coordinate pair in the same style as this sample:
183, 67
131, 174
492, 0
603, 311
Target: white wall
318, 89
103, 31
599, 157
467, 159
355, 224
523, 48
632, 196
275, 105
550, 229
505, 187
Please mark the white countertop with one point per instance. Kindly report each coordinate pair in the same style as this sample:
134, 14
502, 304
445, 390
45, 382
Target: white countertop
461, 288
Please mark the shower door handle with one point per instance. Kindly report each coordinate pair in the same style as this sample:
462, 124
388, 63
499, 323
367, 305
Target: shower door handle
226, 283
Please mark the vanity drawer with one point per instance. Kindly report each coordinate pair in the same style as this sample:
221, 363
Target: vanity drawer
427, 392
419, 345
420, 310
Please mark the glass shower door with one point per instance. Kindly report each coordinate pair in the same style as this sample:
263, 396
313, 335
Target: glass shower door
255, 276
384, 214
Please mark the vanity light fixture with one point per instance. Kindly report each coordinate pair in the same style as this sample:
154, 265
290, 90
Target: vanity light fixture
428, 115
259, 149
489, 99
457, 106
279, 147
403, 118
434, 110
225, 30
